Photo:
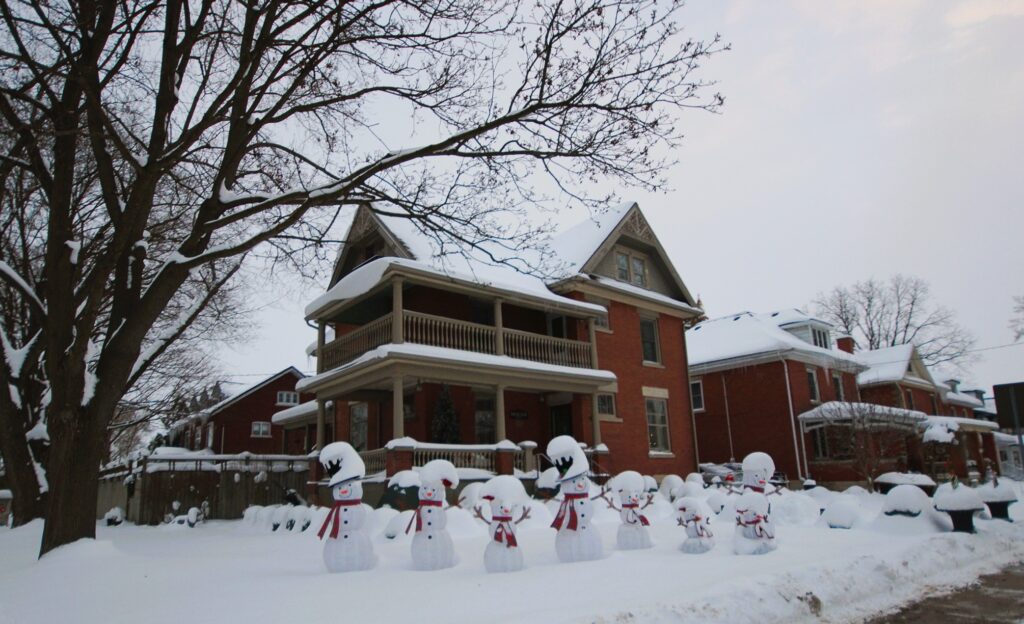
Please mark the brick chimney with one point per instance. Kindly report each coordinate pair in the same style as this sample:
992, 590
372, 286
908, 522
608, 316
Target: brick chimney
846, 343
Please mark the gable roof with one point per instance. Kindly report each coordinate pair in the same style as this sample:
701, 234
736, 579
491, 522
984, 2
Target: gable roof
746, 338
899, 363
231, 400
582, 246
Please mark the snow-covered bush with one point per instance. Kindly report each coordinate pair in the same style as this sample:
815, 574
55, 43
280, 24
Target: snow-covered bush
841, 512
905, 500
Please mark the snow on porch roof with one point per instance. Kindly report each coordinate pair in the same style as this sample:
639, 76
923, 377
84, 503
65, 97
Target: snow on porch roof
839, 412
502, 279
294, 413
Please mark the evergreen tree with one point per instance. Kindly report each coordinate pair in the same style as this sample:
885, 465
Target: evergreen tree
444, 428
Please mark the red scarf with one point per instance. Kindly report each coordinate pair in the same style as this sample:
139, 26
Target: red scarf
504, 533
334, 517
418, 517
567, 509
639, 516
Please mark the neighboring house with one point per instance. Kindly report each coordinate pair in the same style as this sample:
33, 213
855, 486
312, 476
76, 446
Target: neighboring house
752, 375
596, 352
243, 422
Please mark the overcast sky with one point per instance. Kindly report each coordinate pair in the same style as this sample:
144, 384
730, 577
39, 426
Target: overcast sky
858, 139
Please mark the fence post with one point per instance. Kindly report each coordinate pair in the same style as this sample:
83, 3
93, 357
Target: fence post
529, 459
504, 461
398, 458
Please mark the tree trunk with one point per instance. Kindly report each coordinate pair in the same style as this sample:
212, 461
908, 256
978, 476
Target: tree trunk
28, 503
75, 453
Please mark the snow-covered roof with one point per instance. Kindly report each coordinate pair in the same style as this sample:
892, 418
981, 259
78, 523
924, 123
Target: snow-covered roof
745, 336
207, 412
961, 398
640, 293
502, 279
294, 413
576, 244
482, 360
1005, 439
885, 365
954, 423
836, 412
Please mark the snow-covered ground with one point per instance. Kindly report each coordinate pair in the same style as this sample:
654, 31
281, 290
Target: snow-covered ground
238, 571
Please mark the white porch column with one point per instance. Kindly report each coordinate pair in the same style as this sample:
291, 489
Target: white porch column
398, 408
499, 331
397, 318
595, 419
499, 413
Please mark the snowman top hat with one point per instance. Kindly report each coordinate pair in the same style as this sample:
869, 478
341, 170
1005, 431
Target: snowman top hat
568, 458
342, 462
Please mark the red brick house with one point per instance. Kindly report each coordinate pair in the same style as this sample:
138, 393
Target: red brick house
597, 352
243, 422
752, 375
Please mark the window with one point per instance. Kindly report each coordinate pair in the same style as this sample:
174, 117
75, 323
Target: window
358, 426
632, 268
820, 443
820, 338
935, 406
287, 398
837, 381
485, 421
622, 266
909, 398
602, 322
639, 272
812, 385
657, 424
198, 437
649, 340
697, 395
260, 429
209, 435
606, 404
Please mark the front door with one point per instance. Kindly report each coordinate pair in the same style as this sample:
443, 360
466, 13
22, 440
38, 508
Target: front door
561, 420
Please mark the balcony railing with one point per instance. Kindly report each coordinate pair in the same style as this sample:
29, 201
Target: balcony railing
439, 331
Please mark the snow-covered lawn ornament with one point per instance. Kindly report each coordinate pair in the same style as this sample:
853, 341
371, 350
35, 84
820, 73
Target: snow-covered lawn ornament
691, 514
716, 502
905, 500
841, 512
546, 487
755, 534
650, 484
577, 539
629, 486
669, 483
347, 547
432, 547
758, 469
998, 495
506, 496
961, 503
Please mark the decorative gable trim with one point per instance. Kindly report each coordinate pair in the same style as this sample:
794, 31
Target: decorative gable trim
364, 222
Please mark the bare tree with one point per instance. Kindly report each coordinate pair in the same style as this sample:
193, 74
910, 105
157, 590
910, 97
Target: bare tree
898, 311
868, 436
233, 127
1017, 322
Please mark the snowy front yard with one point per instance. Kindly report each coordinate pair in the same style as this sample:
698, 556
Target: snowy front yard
239, 571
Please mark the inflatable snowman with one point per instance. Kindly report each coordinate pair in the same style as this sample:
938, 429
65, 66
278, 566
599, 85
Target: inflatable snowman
758, 469
506, 496
754, 532
577, 539
631, 489
692, 515
432, 547
347, 547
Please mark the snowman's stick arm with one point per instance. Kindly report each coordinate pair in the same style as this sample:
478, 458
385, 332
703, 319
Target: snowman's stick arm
526, 514
476, 512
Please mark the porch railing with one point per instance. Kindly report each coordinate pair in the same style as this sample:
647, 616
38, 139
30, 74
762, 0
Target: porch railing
462, 458
439, 331
375, 460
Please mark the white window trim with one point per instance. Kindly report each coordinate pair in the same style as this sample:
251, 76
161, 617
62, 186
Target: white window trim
668, 431
631, 256
703, 403
837, 381
614, 411
816, 395
657, 341
252, 429
284, 395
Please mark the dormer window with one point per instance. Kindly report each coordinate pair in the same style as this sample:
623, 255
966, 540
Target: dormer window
632, 268
820, 338
287, 398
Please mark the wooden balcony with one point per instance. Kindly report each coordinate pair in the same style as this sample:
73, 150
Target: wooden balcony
439, 331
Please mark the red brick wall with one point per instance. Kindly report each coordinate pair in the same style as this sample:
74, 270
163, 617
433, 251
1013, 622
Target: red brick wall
233, 424
619, 351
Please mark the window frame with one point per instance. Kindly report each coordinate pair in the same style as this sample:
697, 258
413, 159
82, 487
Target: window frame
814, 390
700, 384
908, 398
648, 402
284, 395
657, 340
209, 434
364, 422
611, 399
837, 381
821, 338
257, 426
633, 258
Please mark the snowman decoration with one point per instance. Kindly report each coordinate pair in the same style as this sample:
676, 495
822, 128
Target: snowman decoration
432, 547
754, 534
505, 494
576, 539
631, 488
691, 514
758, 469
347, 547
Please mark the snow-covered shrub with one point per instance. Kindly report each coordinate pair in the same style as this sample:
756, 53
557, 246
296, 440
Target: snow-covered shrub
841, 512
905, 500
